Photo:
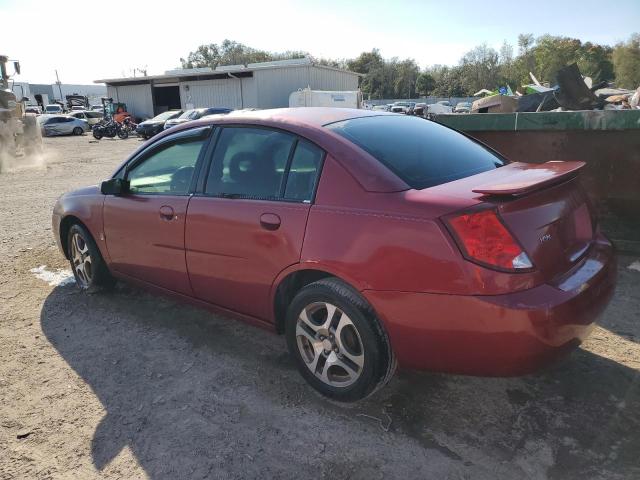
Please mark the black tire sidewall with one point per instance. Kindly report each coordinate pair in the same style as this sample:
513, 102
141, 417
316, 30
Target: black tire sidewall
77, 131
100, 277
375, 363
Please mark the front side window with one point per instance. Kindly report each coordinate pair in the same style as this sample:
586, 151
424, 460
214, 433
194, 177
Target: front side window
167, 171
249, 162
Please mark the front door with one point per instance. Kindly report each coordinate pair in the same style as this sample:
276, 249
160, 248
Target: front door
249, 224
144, 228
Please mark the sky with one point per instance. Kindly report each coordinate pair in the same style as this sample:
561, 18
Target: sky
90, 40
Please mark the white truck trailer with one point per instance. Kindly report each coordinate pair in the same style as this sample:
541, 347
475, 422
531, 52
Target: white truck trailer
305, 97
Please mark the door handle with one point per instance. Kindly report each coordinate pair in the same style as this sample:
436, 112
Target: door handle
166, 212
269, 221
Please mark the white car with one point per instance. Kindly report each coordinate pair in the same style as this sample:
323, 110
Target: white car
53, 109
51, 125
91, 117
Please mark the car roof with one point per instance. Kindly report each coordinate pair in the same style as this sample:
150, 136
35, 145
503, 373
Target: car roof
303, 116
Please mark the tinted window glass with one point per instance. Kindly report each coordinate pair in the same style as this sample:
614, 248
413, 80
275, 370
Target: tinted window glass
303, 174
422, 153
167, 171
249, 162
93, 115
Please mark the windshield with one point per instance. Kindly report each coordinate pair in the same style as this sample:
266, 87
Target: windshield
422, 153
190, 114
164, 116
52, 108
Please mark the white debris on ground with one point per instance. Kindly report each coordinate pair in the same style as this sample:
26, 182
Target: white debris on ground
54, 279
634, 266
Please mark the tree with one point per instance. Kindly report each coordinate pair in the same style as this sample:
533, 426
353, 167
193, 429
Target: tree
595, 61
425, 84
552, 53
626, 62
405, 78
372, 65
230, 52
480, 68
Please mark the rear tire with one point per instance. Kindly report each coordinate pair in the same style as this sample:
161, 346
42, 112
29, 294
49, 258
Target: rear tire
97, 134
88, 266
78, 131
337, 341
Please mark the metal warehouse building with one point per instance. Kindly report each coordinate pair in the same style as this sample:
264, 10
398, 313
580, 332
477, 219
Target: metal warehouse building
256, 85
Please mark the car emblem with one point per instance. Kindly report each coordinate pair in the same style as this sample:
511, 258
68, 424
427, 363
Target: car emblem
545, 238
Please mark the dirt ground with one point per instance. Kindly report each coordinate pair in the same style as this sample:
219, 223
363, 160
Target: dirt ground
130, 385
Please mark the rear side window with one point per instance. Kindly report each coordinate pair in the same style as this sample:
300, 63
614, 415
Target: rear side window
249, 162
422, 153
303, 172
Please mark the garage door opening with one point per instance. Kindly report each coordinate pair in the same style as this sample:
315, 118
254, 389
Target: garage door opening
166, 98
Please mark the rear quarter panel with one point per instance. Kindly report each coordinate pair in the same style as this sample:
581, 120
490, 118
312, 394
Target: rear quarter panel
375, 241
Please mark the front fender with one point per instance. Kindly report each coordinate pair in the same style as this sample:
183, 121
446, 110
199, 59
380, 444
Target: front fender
83, 206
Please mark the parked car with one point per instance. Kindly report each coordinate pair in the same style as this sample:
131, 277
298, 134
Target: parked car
462, 107
439, 107
195, 114
419, 109
155, 125
53, 109
33, 109
381, 108
341, 230
91, 117
77, 108
96, 108
51, 125
402, 107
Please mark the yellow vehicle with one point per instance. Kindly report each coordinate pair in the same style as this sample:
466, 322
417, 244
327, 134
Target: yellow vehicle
19, 133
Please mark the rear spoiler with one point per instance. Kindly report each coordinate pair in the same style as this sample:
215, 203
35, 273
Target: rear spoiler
521, 178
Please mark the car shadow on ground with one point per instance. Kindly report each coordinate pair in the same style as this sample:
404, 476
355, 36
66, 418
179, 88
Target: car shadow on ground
192, 394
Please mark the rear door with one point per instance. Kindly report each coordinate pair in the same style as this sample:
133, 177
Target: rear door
144, 229
248, 222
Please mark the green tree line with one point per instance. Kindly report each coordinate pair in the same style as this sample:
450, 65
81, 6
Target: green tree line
481, 67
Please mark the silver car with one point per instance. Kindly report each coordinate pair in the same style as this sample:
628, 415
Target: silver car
91, 117
62, 125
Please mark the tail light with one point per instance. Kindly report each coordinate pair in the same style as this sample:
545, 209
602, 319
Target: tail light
484, 239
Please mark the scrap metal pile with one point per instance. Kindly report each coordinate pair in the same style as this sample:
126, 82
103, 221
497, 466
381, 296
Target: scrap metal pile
572, 92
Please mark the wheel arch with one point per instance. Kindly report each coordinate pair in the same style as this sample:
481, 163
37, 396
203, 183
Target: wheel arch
296, 277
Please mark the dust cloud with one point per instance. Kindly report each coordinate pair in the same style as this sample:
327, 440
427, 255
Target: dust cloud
27, 154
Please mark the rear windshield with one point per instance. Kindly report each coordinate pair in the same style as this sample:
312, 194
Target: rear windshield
422, 153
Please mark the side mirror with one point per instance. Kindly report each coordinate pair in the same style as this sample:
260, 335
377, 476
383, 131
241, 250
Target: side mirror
114, 186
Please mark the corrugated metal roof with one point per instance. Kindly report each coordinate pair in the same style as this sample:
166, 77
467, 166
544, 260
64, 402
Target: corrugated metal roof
231, 69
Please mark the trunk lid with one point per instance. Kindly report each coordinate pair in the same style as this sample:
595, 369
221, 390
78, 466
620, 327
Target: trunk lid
542, 205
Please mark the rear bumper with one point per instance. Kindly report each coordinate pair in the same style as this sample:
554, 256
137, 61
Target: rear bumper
499, 335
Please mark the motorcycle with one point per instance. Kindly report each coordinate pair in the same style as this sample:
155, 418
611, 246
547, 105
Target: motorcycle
110, 128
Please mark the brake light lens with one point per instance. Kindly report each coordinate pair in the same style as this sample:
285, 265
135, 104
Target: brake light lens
483, 238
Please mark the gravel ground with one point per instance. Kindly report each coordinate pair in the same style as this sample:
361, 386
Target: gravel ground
130, 385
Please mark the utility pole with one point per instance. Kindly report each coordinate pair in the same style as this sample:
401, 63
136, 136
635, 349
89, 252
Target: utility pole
59, 87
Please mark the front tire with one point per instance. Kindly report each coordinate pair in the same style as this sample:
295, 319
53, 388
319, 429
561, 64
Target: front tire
337, 342
78, 131
97, 133
88, 266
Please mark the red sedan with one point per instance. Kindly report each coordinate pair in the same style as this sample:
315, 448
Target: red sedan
369, 239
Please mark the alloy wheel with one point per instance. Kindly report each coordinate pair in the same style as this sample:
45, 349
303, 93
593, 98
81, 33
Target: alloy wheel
330, 344
81, 260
